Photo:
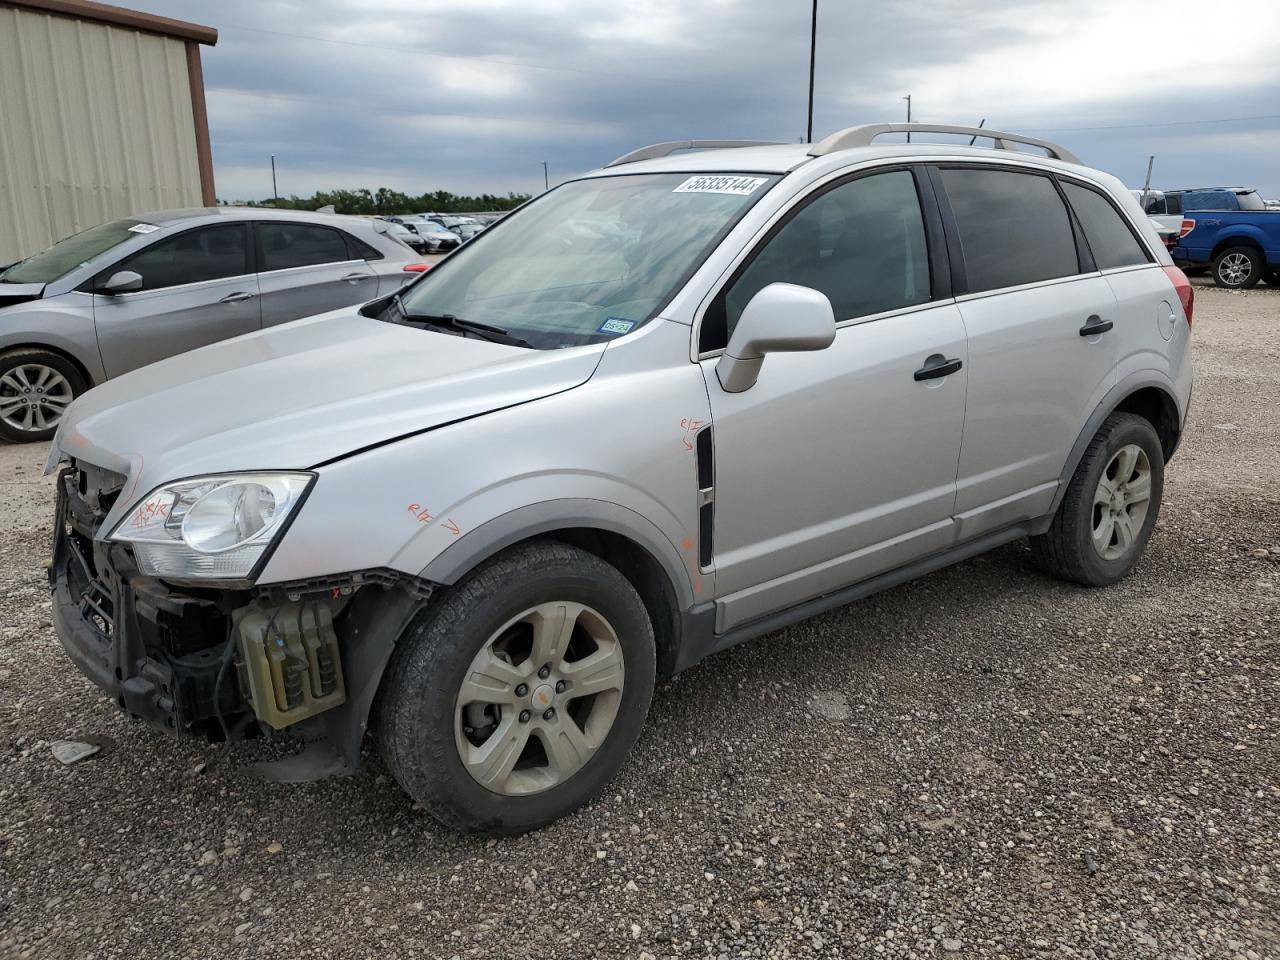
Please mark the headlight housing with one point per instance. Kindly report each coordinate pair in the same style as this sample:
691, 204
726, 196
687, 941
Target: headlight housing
211, 528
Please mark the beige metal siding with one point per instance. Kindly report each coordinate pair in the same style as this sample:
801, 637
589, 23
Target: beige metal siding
95, 123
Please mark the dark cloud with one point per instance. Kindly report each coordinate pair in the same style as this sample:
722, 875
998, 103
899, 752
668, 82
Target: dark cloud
474, 96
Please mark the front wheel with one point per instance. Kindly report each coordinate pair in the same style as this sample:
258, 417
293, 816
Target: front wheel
1238, 268
515, 700
1110, 507
36, 387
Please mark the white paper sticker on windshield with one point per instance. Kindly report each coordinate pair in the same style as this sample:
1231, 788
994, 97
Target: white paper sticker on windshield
740, 186
143, 228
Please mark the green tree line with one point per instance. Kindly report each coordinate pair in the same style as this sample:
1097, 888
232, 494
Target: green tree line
384, 202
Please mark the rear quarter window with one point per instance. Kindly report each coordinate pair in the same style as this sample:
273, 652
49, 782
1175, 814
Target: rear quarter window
1110, 239
1013, 227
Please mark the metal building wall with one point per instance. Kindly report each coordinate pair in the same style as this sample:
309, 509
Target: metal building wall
95, 123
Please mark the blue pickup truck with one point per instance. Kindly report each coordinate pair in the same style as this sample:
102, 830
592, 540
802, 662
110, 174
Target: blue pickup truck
1232, 232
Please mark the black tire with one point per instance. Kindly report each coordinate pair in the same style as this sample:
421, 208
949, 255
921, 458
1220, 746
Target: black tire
1234, 273
25, 358
415, 719
1272, 278
1066, 549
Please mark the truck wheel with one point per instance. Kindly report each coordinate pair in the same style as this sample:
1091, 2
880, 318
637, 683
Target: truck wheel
1110, 507
36, 387
1238, 268
515, 699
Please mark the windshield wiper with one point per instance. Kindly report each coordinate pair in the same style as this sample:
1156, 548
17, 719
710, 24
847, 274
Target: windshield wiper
484, 330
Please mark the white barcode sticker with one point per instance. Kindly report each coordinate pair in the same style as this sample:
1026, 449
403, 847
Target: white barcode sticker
738, 186
143, 228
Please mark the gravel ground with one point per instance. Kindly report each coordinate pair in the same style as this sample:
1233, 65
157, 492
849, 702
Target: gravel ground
982, 763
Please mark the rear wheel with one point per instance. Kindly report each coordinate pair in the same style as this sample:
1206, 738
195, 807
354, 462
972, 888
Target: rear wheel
516, 699
1238, 268
1110, 507
36, 387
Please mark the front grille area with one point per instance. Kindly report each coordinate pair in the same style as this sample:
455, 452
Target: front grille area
157, 650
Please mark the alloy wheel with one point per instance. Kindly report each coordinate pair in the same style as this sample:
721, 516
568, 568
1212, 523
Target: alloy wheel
1120, 502
1234, 269
33, 397
539, 698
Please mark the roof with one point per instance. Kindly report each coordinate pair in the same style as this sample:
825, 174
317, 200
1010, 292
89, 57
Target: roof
183, 214
121, 17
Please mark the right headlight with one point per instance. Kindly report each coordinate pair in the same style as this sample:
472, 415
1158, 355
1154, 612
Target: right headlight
210, 528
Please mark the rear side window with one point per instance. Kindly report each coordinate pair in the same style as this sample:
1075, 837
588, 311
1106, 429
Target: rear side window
361, 250
861, 243
1110, 240
1014, 228
286, 245
211, 253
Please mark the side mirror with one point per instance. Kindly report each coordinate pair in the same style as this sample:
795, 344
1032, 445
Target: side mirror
783, 317
123, 281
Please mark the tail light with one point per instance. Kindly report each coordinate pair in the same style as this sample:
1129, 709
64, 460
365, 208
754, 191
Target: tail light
416, 267
1187, 226
1183, 287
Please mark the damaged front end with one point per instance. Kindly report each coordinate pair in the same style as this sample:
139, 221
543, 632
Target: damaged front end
299, 659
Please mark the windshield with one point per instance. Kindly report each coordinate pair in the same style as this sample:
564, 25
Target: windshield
75, 251
590, 260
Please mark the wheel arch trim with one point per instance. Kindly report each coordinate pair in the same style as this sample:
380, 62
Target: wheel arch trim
1111, 402
548, 516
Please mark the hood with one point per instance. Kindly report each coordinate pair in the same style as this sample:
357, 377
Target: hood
298, 395
11, 293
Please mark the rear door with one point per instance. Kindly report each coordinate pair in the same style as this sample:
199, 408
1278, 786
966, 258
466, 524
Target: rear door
198, 288
307, 268
1041, 353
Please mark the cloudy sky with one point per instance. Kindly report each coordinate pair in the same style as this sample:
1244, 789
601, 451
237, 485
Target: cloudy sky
472, 95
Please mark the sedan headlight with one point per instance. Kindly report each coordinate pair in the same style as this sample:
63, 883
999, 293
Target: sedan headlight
210, 528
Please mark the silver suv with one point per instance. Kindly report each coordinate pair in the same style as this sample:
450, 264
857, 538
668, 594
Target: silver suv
668, 406
129, 292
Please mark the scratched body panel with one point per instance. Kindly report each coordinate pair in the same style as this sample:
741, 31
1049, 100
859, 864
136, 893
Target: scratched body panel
624, 443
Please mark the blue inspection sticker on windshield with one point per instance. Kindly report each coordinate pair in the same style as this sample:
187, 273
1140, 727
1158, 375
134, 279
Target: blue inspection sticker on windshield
616, 325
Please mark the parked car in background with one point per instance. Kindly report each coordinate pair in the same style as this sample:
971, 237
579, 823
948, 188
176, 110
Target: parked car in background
410, 238
481, 518
442, 239
1163, 210
1241, 247
467, 230
136, 290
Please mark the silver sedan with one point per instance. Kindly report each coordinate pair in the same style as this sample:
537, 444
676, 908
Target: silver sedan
136, 290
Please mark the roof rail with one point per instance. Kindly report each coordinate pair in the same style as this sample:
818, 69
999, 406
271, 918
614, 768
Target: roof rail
655, 150
861, 136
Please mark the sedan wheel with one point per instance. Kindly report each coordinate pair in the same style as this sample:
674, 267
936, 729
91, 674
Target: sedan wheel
34, 395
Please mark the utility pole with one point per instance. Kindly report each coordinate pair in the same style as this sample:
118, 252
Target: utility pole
546, 179
274, 192
908, 99
813, 51
974, 138
1146, 187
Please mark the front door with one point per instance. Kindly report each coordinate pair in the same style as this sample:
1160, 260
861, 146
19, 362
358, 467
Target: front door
839, 464
306, 268
198, 287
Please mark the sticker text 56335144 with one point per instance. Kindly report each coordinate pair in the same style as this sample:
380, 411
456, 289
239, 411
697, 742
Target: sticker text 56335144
719, 183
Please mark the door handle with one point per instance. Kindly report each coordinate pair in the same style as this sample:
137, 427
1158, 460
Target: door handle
1094, 326
355, 277
239, 296
938, 366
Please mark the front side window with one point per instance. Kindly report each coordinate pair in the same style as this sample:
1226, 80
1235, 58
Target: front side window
211, 253
861, 243
74, 251
1110, 240
1013, 227
590, 260
287, 245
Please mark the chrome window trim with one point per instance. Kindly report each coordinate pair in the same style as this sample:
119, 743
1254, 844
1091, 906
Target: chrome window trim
1034, 285
312, 266
177, 286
